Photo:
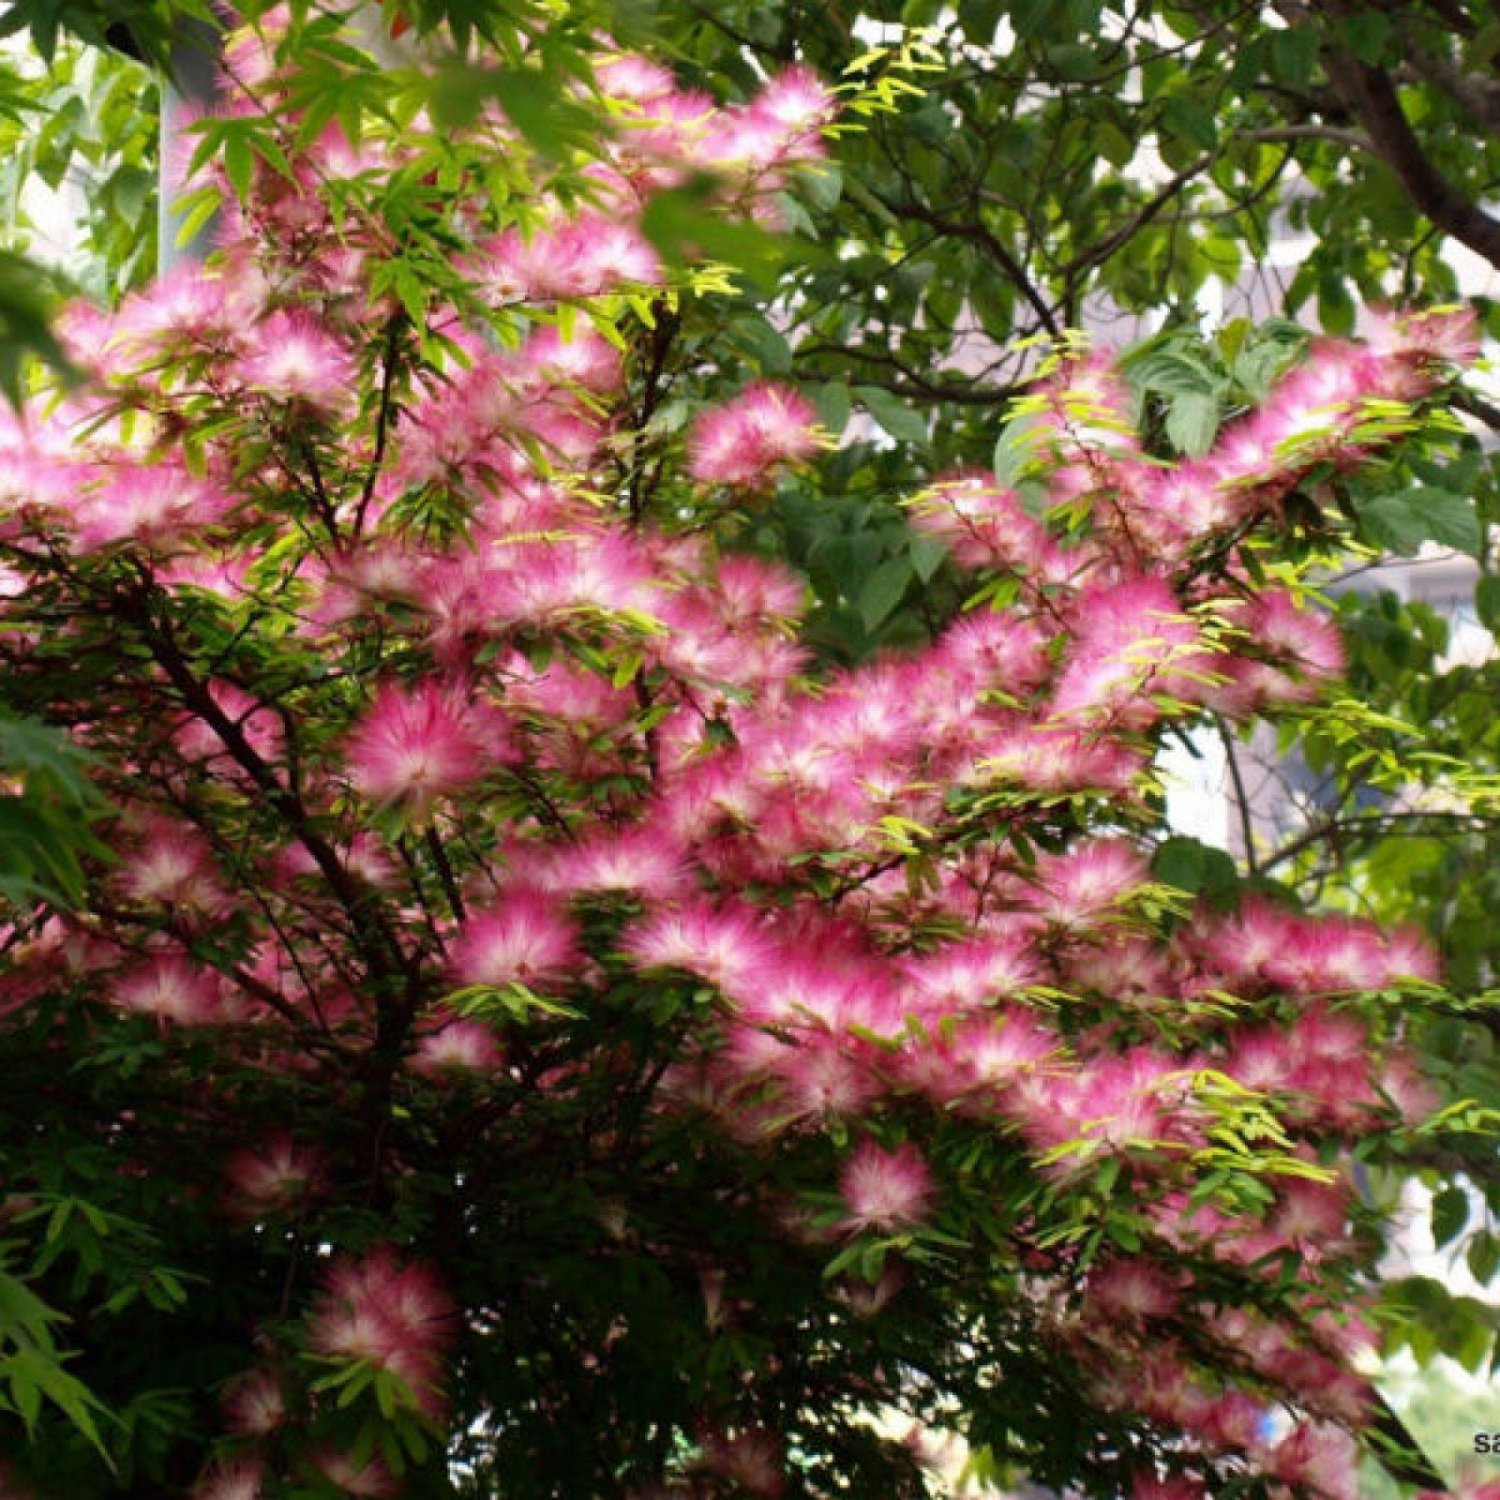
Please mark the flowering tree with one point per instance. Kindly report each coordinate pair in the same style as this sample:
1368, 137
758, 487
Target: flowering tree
541, 1032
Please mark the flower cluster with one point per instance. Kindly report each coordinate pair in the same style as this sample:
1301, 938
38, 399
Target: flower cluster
488, 842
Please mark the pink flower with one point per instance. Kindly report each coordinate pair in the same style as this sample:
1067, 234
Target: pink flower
1133, 1290
741, 442
157, 505
1132, 644
885, 1190
293, 357
1179, 1487
367, 1478
455, 1048
275, 1177
255, 1404
526, 938
752, 1460
390, 1313
237, 1479
1320, 1457
172, 866
417, 745
724, 945
172, 989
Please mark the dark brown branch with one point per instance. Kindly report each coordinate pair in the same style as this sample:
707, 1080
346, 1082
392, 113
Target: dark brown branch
382, 423
979, 233
1372, 99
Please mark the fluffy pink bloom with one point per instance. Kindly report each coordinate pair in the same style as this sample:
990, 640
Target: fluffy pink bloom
172, 989
416, 745
752, 1460
255, 1404
455, 1048
965, 976
741, 442
987, 527
1089, 881
172, 865
367, 1478
1133, 1290
724, 945
525, 938
293, 357
275, 1177
1319, 1456
389, 1313
1132, 643
645, 861
885, 1190
1179, 1487
237, 1479
797, 100
157, 505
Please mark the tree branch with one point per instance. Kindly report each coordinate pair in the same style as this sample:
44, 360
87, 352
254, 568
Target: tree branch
1371, 98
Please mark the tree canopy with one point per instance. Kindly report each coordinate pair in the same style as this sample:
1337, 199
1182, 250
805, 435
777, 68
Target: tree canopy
631, 948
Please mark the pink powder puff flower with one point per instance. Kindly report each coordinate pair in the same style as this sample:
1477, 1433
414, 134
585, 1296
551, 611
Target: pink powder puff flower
1275, 622
967, 975
885, 1190
236, 1479
1320, 1457
752, 1460
1312, 1215
457, 1047
986, 526
1132, 643
173, 865
820, 1079
157, 505
637, 861
994, 654
1133, 1290
725, 945
1089, 881
188, 304
1328, 955
1178, 1487
172, 989
584, 359
629, 76
1410, 955
292, 357
368, 1479
525, 938
255, 1404
416, 745
1413, 1095
275, 1177
796, 100
389, 1313
742, 441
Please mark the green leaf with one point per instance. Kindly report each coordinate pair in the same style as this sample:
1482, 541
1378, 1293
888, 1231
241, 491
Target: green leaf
894, 415
1450, 1212
883, 591
1192, 423
1487, 601
1192, 120
833, 403
1402, 522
